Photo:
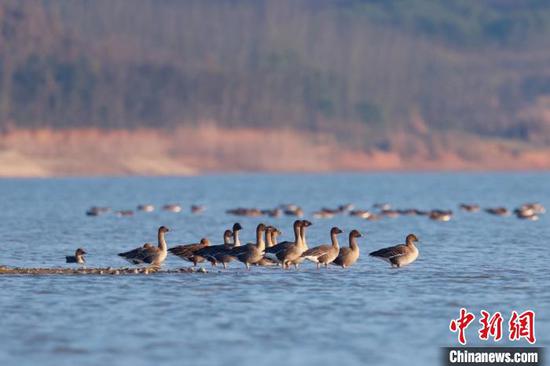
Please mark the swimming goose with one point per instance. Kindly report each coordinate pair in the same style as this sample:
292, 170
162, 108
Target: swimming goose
251, 253
324, 254
276, 212
124, 213
323, 214
498, 211
77, 258
399, 255
96, 211
348, 256
172, 207
188, 252
469, 207
536, 207
288, 250
440, 215
197, 209
148, 254
526, 214
146, 208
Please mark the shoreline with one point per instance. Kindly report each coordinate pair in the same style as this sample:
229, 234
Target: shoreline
211, 150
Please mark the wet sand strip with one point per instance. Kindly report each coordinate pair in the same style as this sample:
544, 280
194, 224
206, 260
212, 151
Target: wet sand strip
94, 271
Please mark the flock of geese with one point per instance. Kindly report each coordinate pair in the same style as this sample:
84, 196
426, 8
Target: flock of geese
265, 251
526, 211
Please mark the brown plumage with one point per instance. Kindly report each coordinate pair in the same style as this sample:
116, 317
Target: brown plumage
251, 253
287, 251
188, 252
78, 257
348, 256
324, 254
210, 252
399, 255
148, 254
305, 224
271, 234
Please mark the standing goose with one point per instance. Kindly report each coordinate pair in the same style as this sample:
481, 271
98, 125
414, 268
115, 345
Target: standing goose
274, 234
148, 254
287, 251
270, 241
324, 254
77, 258
305, 225
210, 252
224, 256
348, 256
251, 253
399, 255
188, 252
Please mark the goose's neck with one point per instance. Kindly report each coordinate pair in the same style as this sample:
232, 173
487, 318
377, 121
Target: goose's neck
236, 241
227, 240
303, 237
274, 238
353, 243
162, 241
334, 239
268, 239
297, 235
410, 243
260, 243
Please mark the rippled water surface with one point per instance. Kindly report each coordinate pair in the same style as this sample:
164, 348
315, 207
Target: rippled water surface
368, 314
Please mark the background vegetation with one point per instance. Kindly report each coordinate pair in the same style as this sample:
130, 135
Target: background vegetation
360, 69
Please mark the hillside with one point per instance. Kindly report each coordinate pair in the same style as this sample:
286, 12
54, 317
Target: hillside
378, 77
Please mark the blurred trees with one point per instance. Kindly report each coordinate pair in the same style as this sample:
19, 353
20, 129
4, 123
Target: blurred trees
311, 64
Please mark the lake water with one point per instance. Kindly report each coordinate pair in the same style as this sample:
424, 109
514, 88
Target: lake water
367, 314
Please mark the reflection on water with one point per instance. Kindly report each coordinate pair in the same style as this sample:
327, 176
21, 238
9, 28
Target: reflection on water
366, 314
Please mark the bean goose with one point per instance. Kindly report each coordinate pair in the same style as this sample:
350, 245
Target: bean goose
78, 257
148, 254
324, 254
210, 252
251, 253
348, 256
188, 252
287, 251
399, 255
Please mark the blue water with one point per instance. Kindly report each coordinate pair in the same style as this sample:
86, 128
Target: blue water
367, 314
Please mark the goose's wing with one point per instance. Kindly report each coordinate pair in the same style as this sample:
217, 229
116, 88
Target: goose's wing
236, 251
282, 246
317, 251
148, 255
211, 253
186, 251
342, 255
144, 254
390, 252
